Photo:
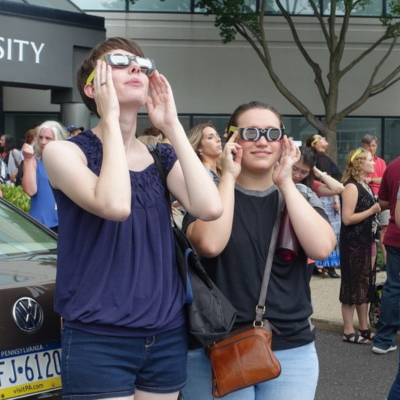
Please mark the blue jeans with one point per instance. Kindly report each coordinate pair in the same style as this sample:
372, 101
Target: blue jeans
100, 367
389, 318
394, 393
298, 379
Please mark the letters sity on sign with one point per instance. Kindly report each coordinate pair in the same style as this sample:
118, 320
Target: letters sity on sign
20, 50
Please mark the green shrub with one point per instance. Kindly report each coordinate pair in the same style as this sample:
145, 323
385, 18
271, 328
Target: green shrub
15, 195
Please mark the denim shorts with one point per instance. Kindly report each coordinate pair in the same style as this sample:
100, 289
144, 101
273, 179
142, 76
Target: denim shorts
100, 367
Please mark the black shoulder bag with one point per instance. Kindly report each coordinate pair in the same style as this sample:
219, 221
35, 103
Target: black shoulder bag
210, 316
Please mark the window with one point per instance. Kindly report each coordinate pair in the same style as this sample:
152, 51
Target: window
161, 6
18, 123
373, 9
295, 7
218, 121
100, 5
391, 143
298, 128
350, 133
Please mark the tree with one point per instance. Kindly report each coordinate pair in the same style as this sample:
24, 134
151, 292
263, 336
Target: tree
236, 17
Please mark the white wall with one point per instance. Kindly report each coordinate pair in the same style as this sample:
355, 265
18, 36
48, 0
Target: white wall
210, 77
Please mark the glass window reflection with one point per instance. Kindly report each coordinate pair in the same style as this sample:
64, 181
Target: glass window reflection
350, 133
161, 6
391, 143
296, 7
100, 5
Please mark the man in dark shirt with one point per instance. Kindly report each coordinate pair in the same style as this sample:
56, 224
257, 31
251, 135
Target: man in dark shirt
388, 325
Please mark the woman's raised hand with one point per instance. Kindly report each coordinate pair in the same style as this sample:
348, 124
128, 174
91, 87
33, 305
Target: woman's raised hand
160, 103
104, 93
283, 169
232, 157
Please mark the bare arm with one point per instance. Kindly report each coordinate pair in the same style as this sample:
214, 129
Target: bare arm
29, 168
330, 186
210, 238
349, 202
315, 234
188, 180
109, 194
376, 180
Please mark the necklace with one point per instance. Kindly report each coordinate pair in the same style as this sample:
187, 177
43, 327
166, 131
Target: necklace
368, 189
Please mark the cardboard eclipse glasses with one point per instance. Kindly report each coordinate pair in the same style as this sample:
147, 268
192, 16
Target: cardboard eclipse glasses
146, 65
254, 134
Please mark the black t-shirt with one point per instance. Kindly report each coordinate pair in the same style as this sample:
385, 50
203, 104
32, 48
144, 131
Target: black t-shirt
239, 269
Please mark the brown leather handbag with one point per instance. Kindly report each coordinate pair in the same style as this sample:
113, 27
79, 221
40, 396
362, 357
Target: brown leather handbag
245, 358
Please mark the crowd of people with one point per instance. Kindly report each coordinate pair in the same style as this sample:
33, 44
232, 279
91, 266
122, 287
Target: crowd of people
115, 231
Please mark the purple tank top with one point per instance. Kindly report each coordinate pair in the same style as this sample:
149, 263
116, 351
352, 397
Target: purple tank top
119, 278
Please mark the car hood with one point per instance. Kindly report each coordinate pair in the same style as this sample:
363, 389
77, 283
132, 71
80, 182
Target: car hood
31, 277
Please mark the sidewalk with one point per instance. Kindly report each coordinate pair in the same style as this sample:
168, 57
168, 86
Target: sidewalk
325, 298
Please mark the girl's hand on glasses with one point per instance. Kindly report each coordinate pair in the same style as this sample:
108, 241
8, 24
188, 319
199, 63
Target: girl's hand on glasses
290, 155
160, 104
104, 93
232, 157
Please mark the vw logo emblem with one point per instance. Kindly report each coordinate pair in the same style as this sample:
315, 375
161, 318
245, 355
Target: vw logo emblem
27, 314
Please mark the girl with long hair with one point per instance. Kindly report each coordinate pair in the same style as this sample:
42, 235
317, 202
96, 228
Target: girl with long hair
207, 144
357, 245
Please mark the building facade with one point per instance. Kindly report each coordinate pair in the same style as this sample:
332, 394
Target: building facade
210, 79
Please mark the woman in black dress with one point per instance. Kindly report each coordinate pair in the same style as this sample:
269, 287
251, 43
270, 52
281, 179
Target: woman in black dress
357, 245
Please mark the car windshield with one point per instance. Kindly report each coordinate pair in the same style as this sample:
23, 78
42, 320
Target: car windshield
19, 235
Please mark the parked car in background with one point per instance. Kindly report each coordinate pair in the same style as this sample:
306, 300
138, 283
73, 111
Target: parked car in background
30, 353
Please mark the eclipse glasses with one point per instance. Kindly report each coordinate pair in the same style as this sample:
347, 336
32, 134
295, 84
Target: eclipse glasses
356, 154
146, 65
254, 134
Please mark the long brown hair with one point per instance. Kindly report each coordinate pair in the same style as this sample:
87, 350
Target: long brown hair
354, 169
195, 135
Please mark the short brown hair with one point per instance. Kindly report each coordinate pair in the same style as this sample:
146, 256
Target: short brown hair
89, 63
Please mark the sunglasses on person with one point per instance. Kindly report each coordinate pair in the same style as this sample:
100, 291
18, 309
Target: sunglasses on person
146, 65
254, 134
356, 154
317, 139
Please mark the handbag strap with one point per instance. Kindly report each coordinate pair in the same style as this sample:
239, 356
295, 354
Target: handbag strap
260, 309
157, 161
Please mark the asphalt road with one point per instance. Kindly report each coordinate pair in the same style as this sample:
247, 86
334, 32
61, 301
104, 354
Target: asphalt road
349, 371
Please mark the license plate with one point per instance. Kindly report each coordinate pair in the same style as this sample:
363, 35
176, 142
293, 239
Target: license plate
31, 369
